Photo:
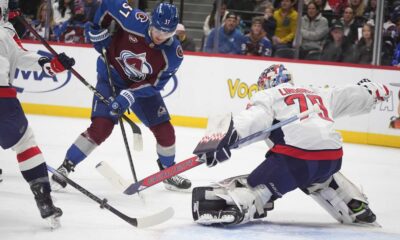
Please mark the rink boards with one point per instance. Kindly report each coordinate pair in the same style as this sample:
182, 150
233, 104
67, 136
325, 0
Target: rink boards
210, 84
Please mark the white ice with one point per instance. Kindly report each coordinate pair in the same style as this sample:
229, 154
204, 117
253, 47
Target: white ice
296, 216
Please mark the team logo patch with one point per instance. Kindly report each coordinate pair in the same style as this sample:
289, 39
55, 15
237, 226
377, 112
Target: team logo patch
142, 17
134, 65
179, 51
161, 111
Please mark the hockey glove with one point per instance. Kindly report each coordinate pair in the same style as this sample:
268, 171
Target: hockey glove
121, 103
100, 38
222, 151
57, 64
378, 91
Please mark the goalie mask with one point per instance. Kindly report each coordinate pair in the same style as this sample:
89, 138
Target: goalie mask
3, 12
273, 76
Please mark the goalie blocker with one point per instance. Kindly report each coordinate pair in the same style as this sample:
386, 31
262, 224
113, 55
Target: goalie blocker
233, 201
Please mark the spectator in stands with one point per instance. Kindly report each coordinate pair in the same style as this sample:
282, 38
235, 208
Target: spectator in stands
269, 23
325, 10
358, 7
395, 35
209, 22
90, 7
350, 25
364, 47
73, 30
255, 43
39, 24
314, 29
370, 11
244, 8
286, 24
260, 5
187, 43
30, 8
63, 10
229, 37
336, 49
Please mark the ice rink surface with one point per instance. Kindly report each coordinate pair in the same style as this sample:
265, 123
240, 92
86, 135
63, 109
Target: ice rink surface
296, 216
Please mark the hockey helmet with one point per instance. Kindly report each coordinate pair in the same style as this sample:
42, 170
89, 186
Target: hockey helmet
273, 76
165, 17
3, 11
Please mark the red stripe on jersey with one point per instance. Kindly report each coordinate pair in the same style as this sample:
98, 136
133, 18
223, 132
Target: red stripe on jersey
18, 41
308, 155
8, 93
29, 153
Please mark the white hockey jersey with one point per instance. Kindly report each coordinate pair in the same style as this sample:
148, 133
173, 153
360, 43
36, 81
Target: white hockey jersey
13, 56
312, 138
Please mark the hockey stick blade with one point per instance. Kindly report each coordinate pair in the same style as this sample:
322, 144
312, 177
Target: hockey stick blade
395, 84
196, 161
142, 222
112, 176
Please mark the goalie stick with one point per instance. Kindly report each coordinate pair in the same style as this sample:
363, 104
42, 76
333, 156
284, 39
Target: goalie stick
142, 222
137, 133
196, 161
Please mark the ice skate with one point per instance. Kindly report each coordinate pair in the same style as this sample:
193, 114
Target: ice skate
176, 183
1, 173
363, 214
57, 182
48, 211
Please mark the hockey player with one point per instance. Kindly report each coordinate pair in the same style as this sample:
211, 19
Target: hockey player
143, 55
305, 154
15, 132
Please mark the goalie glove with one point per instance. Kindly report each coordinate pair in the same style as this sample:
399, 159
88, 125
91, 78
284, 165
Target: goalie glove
121, 103
378, 91
215, 148
56, 65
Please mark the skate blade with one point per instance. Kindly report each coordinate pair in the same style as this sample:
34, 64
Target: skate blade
173, 188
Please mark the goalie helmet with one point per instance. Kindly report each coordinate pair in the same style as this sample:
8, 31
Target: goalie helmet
165, 17
3, 11
273, 76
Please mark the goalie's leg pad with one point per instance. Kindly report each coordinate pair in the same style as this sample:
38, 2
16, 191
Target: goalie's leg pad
232, 201
208, 209
342, 199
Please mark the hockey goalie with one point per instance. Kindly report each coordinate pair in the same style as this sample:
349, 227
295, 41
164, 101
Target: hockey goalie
305, 154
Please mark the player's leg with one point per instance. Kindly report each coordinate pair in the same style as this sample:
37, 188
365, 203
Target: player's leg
99, 130
342, 200
15, 133
269, 181
154, 114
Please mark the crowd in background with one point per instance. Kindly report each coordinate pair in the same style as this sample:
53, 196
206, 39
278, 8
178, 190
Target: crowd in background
331, 30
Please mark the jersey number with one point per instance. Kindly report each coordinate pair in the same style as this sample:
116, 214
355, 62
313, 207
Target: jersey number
302, 100
127, 8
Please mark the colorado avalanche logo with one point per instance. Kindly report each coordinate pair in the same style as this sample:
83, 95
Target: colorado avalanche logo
134, 65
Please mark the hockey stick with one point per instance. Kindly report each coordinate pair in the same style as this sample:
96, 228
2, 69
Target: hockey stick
137, 134
121, 123
196, 161
143, 222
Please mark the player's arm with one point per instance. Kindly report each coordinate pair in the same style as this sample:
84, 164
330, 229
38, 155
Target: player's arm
357, 99
257, 117
21, 58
